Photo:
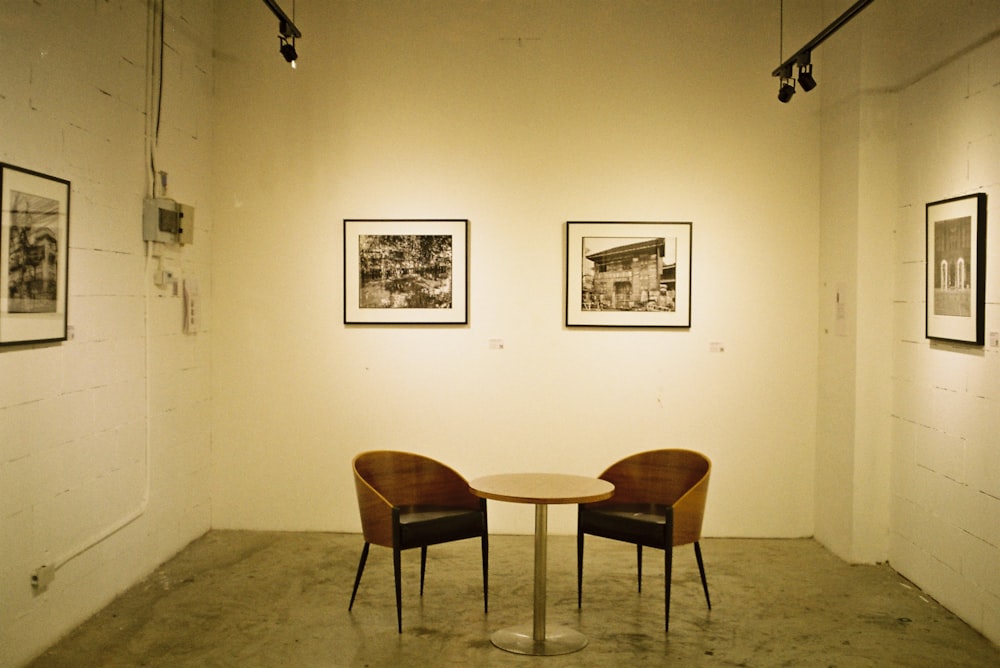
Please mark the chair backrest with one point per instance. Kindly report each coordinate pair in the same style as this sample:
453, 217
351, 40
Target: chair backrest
385, 479
672, 477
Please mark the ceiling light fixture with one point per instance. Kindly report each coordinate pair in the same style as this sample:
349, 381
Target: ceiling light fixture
787, 87
287, 50
288, 32
806, 80
803, 57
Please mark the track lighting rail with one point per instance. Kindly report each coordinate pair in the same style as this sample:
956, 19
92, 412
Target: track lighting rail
288, 28
804, 53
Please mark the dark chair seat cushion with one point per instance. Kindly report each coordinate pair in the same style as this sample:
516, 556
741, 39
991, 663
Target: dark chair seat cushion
642, 524
422, 525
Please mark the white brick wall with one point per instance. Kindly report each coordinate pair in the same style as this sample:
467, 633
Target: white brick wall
945, 527
76, 418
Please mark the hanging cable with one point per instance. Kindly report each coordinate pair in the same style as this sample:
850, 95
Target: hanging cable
154, 103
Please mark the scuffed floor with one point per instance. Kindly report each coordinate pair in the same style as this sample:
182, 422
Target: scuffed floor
280, 599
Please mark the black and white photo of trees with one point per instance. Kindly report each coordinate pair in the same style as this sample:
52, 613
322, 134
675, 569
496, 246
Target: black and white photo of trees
405, 271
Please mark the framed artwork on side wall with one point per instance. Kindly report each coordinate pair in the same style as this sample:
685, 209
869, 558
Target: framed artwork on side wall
628, 274
956, 269
406, 272
34, 251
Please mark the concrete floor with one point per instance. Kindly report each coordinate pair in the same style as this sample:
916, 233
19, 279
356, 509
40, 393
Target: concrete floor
280, 599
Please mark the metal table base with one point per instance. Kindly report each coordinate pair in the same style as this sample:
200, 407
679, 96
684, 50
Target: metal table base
535, 638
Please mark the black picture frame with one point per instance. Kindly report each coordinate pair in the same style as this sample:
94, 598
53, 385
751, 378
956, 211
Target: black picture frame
406, 271
955, 279
628, 274
34, 256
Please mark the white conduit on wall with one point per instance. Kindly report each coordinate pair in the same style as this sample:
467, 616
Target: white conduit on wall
154, 59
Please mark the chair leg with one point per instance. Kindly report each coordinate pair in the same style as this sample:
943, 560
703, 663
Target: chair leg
668, 563
423, 566
638, 563
486, 573
357, 579
701, 569
396, 568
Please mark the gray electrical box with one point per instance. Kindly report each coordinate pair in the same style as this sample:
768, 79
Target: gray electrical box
167, 221
186, 232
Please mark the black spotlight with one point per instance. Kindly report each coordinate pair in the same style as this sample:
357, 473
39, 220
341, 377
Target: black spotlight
787, 89
288, 51
806, 77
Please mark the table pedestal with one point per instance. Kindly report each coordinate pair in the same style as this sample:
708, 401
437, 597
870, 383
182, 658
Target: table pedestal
540, 489
521, 640
535, 638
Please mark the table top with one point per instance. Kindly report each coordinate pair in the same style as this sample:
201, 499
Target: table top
542, 488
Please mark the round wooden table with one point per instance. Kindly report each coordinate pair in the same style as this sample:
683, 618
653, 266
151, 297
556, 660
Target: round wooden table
540, 489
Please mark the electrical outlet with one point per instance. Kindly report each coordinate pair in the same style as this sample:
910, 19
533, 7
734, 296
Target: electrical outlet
43, 577
994, 339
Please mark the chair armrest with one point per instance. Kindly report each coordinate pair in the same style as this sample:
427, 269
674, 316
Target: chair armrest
689, 511
376, 514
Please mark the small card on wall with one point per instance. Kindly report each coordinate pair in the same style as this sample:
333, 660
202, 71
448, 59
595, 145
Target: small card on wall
191, 306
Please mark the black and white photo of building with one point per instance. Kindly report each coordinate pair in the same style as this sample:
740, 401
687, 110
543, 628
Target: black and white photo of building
953, 261
629, 274
33, 257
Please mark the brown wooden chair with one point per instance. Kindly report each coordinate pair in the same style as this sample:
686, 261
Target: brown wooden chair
659, 501
408, 500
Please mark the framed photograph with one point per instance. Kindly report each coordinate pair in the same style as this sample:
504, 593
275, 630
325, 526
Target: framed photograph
956, 269
406, 272
34, 250
628, 274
